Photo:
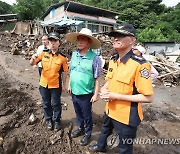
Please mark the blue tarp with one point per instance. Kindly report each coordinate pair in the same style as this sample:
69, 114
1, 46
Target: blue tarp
62, 22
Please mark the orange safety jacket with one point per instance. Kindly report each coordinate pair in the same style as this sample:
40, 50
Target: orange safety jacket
130, 76
52, 66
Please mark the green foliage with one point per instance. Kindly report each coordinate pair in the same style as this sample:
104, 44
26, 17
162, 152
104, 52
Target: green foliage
5, 8
29, 9
154, 6
169, 24
32, 9
154, 35
148, 20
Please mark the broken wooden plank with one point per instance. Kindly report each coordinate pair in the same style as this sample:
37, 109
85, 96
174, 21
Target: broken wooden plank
166, 64
168, 74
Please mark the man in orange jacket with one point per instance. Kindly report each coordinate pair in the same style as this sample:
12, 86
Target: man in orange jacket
128, 84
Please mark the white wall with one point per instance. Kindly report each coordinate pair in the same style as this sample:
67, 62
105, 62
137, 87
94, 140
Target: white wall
166, 47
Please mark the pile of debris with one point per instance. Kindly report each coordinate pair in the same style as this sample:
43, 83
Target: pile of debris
28, 44
19, 44
169, 72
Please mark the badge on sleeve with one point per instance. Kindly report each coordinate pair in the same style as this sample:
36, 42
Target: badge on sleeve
145, 73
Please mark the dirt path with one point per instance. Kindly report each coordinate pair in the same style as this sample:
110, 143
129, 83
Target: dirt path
19, 98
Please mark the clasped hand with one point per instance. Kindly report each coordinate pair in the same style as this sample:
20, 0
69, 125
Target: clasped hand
106, 95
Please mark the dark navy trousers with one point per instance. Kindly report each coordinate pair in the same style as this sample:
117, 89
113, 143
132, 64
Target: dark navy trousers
125, 133
83, 110
51, 103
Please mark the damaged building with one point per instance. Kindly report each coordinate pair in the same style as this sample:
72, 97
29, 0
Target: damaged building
71, 16
7, 21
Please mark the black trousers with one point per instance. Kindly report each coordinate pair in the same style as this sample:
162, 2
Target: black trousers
83, 109
125, 134
51, 103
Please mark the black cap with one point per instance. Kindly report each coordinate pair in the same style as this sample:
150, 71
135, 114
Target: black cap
124, 29
54, 35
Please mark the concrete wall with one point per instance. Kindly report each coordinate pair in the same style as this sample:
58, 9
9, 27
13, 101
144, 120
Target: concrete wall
54, 14
158, 47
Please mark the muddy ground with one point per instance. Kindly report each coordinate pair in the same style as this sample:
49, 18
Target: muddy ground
19, 98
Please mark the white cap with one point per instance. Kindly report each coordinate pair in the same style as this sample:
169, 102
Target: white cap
141, 49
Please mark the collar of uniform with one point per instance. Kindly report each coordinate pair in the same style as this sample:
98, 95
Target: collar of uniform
115, 57
127, 56
57, 53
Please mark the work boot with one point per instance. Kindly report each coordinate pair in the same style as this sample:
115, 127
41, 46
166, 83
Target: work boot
94, 148
57, 126
85, 140
49, 124
78, 132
